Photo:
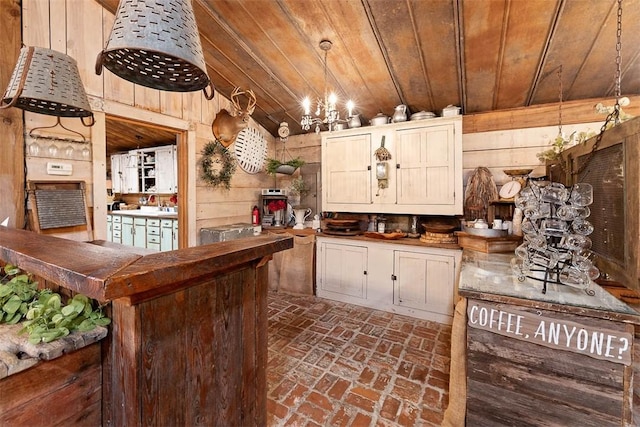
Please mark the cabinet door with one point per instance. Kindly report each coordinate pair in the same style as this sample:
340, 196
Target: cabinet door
139, 232
424, 281
425, 162
117, 173
109, 229
343, 270
175, 234
346, 170
127, 231
166, 177
166, 235
132, 173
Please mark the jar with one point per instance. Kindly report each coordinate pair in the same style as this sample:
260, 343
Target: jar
381, 225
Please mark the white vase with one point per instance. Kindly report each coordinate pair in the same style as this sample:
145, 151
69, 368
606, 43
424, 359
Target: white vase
277, 218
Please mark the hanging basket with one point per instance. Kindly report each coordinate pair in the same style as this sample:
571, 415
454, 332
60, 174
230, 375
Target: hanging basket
286, 169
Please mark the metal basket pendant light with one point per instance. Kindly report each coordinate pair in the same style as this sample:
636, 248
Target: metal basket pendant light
48, 82
155, 43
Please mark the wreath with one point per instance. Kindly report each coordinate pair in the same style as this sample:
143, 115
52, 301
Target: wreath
214, 154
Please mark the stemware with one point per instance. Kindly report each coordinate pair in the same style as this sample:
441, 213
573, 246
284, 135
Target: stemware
581, 194
554, 193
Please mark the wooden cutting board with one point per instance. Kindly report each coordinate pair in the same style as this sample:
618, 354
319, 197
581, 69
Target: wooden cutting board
385, 236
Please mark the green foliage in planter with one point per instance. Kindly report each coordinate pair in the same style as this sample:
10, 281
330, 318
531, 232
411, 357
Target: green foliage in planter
273, 164
299, 187
15, 294
44, 315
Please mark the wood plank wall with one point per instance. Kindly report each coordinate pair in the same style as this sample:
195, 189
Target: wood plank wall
11, 155
498, 140
81, 30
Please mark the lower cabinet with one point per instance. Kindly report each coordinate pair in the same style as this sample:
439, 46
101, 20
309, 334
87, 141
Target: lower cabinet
127, 230
344, 270
400, 278
159, 234
152, 237
167, 235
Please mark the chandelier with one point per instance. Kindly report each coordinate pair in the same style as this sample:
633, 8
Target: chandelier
326, 112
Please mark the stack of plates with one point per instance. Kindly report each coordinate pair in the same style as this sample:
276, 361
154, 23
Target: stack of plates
421, 115
342, 227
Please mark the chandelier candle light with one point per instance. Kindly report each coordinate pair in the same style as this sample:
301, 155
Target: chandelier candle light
328, 105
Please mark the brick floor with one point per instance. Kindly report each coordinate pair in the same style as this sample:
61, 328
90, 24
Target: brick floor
336, 364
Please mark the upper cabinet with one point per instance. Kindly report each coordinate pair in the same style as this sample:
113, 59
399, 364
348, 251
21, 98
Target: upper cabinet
149, 170
423, 175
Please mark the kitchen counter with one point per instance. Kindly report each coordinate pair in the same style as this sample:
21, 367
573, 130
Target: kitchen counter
151, 214
403, 241
489, 276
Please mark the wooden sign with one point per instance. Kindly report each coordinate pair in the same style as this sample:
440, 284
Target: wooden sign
510, 321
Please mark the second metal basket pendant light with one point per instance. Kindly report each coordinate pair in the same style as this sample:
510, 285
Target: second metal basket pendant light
155, 43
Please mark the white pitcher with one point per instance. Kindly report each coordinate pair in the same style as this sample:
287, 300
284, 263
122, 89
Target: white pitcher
301, 216
400, 113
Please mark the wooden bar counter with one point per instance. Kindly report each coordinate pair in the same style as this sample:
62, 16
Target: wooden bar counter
188, 339
561, 358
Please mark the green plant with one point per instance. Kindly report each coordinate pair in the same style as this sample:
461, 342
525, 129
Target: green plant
44, 315
273, 164
561, 143
299, 187
15, 294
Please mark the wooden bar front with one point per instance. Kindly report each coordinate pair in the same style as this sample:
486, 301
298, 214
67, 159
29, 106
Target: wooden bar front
561, 358
188, 341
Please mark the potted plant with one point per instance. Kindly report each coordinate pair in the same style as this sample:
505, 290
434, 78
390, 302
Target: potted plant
276, 166
297, 190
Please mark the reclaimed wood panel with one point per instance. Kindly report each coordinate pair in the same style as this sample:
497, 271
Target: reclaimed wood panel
515, 382
11, 125
195, 353
63, 391
115, 88
84, 40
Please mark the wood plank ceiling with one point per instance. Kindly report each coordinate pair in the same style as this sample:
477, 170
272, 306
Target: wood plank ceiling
481, 55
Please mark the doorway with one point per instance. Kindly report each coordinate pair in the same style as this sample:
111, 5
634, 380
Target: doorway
123, 135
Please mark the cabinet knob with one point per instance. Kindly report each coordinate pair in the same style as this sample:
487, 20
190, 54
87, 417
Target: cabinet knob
393, 277
364, 272
397, 165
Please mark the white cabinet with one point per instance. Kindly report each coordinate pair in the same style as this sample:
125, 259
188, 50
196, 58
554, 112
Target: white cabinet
117, 173
131, 163
343, 268
127, 230
401, 278
168, 241
124, 173
139, 232
424, 281
166, 170
347, 177
149, 170
426, 167
116, 226
160, 234
423, 176
109, 229
152, 237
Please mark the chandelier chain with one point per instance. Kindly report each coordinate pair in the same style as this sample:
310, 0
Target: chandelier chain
560, 100
618, 53
614, 116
